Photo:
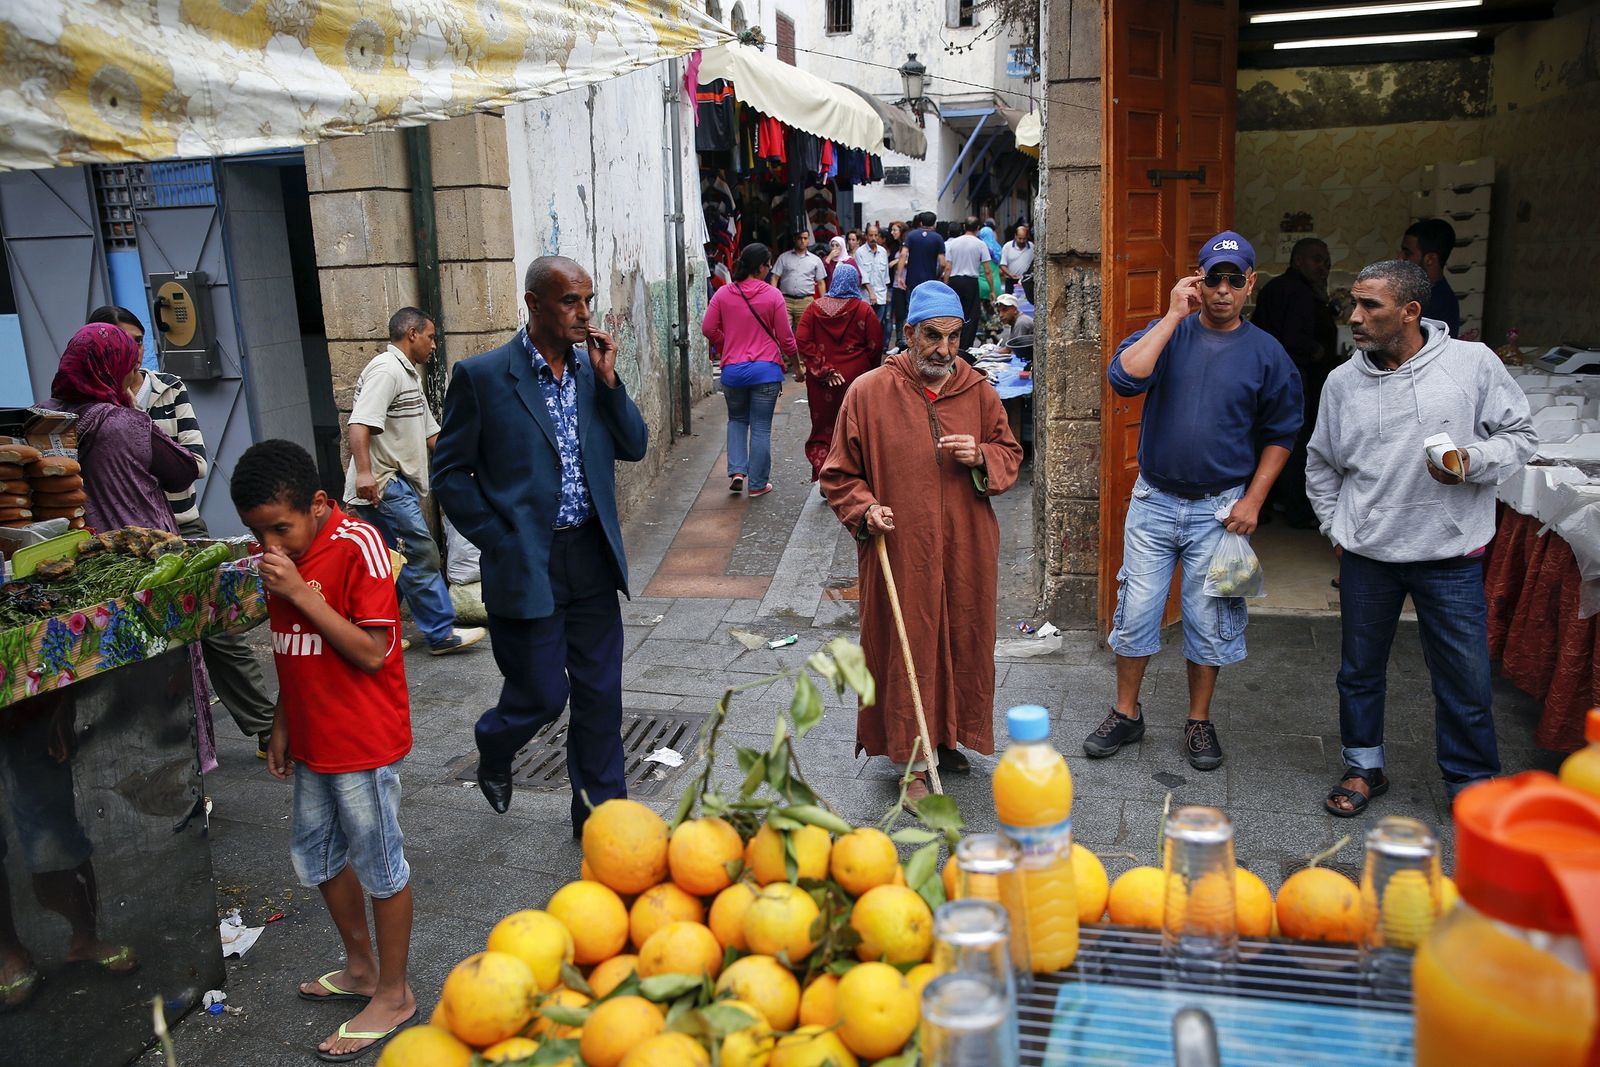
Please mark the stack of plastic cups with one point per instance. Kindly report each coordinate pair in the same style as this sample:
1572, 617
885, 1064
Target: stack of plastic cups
1399, 900
969, 1011
1199, 925
990, 868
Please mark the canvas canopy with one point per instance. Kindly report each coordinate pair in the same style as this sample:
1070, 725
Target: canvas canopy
89, 81
794, 97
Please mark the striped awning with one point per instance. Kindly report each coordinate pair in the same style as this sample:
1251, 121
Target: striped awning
88, 81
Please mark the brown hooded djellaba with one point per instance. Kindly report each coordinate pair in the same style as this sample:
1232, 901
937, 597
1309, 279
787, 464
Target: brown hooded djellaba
944, 549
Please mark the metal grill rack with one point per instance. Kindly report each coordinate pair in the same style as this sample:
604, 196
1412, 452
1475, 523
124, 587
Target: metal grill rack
1285, 1002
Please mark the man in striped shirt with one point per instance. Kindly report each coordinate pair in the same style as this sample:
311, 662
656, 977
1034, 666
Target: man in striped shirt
235, 675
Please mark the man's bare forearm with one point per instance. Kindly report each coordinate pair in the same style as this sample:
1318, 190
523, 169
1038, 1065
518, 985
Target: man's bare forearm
361, 447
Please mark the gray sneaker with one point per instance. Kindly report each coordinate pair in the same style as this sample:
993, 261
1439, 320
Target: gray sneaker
1114, 732
1200, 744
458, 640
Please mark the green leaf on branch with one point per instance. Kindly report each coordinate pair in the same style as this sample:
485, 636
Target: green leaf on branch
800, 792
779, 732
757, 774
791, 863
852, 663
685, 804
566, 1015
777, 772
564, 1050
748, 758
724, 1019
939, 812
665, 987
806, 707
824, 665
922, 865
932, 891
913, 835
783, 822
573, 979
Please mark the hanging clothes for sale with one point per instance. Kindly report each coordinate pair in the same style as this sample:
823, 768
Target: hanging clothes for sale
772, 140
715, 117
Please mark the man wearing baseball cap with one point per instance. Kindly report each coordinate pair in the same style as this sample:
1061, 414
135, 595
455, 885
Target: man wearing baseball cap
1017, 337
1222, 407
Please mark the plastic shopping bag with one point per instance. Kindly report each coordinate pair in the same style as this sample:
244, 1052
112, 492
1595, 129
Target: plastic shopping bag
1234, 570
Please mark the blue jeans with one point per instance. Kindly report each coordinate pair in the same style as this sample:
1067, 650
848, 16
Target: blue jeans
349, 819
885, 312
750, 431
398, 517
1454, 626
1163, 530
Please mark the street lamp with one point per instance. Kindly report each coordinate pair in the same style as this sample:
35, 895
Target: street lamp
913, 75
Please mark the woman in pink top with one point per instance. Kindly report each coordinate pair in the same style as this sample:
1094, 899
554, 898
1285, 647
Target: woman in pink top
748, 321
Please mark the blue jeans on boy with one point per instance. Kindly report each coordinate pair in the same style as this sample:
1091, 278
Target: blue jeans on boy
1162, 530
750, 430
1454, 625
398, 517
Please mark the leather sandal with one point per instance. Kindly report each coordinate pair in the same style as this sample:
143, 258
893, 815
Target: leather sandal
1377, 785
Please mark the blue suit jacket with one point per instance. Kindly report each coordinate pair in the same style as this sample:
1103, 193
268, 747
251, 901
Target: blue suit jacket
497, 473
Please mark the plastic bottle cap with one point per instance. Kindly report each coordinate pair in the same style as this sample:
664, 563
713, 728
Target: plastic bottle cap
1028, 722
1591, 726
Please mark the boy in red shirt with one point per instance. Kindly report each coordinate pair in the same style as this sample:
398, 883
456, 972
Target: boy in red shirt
344, 717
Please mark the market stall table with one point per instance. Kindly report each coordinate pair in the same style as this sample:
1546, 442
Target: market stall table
1013, 381
1285, 1002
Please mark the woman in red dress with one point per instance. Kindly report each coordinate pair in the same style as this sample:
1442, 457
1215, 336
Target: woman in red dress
840, 339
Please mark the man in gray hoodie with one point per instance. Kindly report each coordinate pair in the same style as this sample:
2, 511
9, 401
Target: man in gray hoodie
1403, 526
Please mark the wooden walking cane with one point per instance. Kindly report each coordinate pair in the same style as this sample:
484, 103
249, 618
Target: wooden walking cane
929, 752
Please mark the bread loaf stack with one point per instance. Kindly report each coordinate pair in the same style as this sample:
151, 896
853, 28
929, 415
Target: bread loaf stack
57, 485
16, 491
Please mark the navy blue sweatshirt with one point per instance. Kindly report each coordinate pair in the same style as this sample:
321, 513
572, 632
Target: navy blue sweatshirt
1214, 401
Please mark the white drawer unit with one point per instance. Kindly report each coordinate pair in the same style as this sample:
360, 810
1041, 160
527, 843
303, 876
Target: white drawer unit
1464, 279
1467, 174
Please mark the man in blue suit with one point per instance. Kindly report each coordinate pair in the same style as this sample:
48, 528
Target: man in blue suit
524, 467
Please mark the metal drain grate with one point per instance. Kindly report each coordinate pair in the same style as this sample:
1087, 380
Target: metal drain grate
540, 766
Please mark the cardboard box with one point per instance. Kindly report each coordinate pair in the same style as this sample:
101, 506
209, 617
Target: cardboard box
1462, 203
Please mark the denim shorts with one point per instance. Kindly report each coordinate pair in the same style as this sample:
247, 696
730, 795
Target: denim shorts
350, 819
1162, 531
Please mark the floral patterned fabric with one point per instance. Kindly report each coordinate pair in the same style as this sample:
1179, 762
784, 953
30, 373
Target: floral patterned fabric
84, 81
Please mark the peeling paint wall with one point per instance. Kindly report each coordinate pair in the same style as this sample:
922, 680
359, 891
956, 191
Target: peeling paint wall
591, 178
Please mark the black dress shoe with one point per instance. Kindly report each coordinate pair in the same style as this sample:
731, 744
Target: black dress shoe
496, 787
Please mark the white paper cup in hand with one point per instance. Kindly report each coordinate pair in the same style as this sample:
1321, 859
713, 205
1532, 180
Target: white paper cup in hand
1442, 454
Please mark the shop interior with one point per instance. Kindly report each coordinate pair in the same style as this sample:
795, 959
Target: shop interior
1482, 130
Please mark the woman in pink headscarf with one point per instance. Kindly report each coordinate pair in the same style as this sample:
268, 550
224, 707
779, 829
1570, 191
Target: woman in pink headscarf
838, 252
129, 464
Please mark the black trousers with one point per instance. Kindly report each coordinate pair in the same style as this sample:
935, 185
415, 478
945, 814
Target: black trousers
576, 652
967, 289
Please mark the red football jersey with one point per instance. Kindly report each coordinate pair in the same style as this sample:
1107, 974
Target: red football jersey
340, 718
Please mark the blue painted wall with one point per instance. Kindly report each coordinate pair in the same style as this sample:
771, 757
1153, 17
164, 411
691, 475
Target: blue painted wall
127, 289
16, 390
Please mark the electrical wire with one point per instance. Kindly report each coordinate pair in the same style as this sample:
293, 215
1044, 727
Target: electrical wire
957, 81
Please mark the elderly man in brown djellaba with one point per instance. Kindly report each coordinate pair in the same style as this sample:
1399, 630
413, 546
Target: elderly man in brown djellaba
921, 445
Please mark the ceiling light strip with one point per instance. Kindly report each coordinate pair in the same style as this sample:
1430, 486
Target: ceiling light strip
1387, 38
1360, 11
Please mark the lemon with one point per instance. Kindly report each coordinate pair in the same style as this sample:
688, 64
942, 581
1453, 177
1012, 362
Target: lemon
779, 922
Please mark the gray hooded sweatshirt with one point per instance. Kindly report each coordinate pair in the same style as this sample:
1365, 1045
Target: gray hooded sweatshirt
1366, 471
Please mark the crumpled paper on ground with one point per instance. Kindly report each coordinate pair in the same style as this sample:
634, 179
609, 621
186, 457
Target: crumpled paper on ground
1047, 640
237, 938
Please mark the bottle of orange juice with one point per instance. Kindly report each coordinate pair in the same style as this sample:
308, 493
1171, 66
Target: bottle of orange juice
1581, 770
1509, 975
1033, 799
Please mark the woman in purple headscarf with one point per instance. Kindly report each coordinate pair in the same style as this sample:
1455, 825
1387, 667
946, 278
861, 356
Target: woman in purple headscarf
129, 464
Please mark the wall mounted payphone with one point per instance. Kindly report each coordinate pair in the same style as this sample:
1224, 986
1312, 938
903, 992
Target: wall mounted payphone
181, 314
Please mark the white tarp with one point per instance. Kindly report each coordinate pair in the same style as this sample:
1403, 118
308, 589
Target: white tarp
87, 81
794, 97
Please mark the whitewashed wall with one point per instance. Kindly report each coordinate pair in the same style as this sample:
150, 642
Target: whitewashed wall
591, 179
869, 57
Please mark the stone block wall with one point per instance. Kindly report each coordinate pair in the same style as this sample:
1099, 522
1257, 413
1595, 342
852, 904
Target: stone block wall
1068, 373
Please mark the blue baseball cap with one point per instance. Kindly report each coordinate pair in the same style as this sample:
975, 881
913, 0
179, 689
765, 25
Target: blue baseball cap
1227, 247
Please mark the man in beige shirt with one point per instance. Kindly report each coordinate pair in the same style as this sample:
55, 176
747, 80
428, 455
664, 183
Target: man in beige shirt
392, 430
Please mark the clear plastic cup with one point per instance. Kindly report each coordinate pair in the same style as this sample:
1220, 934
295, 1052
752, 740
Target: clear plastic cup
1199, 925
1399, 899
990, 868
967, 1021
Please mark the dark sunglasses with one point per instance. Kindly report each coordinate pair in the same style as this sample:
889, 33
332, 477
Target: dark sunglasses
1213, 280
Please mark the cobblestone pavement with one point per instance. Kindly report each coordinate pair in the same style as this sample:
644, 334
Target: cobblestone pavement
704, 563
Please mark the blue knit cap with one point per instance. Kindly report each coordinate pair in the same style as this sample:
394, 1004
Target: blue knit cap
933, 300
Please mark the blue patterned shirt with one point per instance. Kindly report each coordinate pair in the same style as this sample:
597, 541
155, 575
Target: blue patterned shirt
561, 401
